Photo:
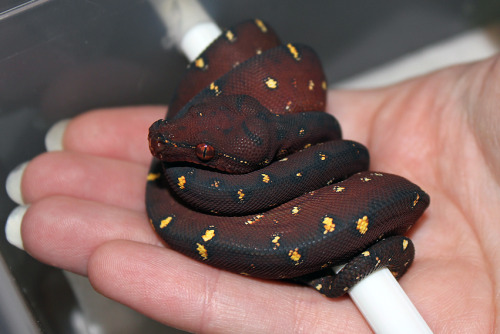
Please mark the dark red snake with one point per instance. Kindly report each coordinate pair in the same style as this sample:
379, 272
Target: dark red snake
254, 177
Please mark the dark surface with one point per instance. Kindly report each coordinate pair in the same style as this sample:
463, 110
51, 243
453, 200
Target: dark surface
59, 58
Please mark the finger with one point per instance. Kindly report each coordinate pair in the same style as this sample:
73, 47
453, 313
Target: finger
183, 293
64, 231
109, 181
119, 133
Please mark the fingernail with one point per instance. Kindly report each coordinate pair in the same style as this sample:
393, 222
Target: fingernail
54, 137
13, 183
13, 226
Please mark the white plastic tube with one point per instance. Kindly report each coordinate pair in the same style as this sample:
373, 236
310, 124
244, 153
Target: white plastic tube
379, 296
189, 27
386, 306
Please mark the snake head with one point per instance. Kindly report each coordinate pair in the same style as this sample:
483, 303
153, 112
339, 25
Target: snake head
228, 133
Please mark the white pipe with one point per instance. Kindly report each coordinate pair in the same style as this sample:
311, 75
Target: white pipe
189, 27
385, 305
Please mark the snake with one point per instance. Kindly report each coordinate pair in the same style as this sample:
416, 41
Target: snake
251, 175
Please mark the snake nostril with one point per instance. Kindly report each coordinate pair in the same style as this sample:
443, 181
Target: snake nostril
156, 144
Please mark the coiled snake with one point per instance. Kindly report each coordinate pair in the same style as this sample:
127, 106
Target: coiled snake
255, 179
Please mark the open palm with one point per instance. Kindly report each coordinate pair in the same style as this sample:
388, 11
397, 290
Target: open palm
440, 131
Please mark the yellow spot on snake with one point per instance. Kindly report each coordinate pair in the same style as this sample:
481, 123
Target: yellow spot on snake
405, 244
153, 176
275, 241
322, 156
230, 36
265, 178
215, 88
209, 234
240, 194
294, 255
307, 145
366, 253
338, 189
271, 83
416, 200
165, 222
328, 225
295, 210
299, 174
365, 179
311, 85
261, 25
362, 225
200, 63
182, 182
319, 286
254, 220
293, 51
301, 132
171, 143
202, 250
284, 159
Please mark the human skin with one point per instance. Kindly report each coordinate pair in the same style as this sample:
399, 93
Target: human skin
87, 213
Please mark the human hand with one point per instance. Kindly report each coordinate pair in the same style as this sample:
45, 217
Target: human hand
87, 213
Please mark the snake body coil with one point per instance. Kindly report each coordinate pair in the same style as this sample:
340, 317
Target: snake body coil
252, 176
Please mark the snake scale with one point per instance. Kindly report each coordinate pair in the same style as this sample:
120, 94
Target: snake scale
250, 175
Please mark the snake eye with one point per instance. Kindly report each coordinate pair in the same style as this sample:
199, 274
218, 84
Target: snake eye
204, 152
